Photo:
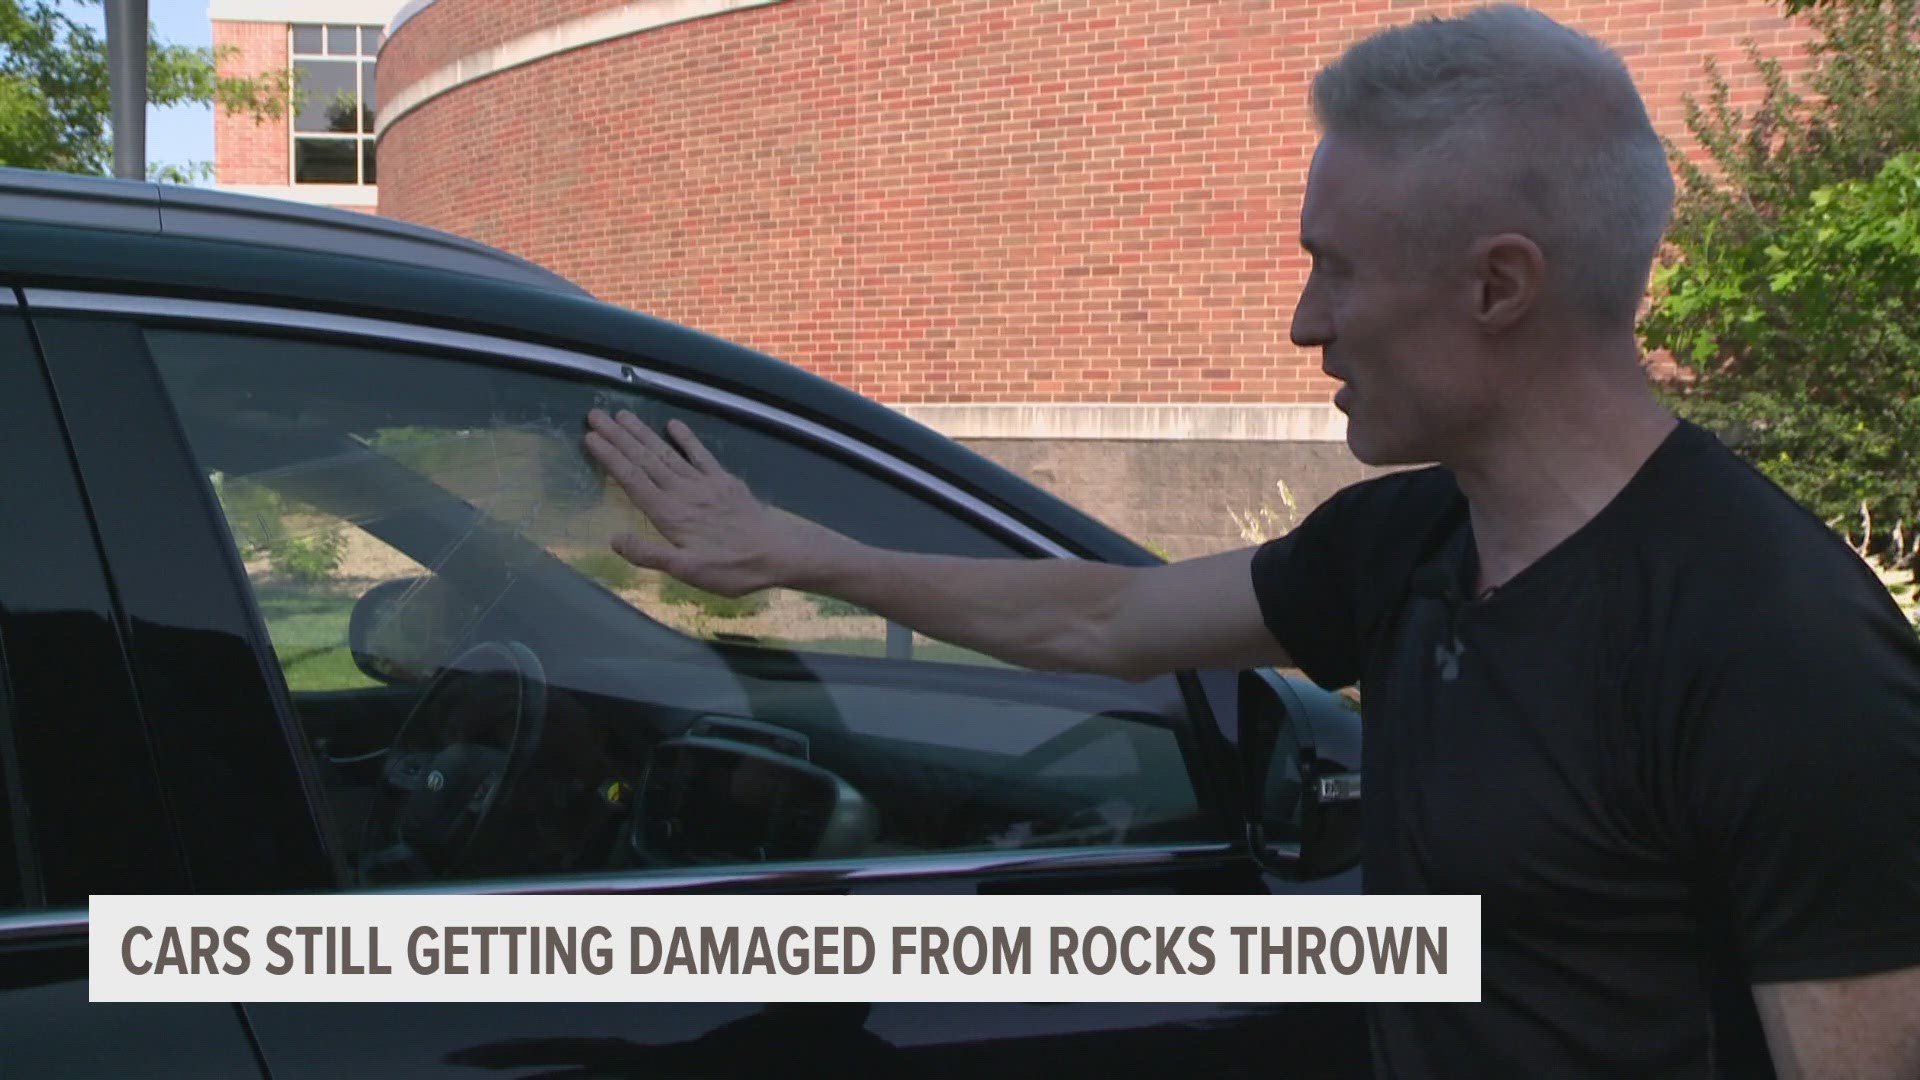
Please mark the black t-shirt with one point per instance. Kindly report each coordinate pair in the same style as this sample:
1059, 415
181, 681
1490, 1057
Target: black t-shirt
1677, 755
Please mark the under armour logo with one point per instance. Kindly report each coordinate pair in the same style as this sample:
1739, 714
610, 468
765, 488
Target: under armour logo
1446, 657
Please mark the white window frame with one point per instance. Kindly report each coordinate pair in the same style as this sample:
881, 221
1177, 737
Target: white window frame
365, 63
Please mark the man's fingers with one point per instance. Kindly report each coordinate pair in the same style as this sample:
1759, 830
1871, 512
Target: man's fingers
669, 459
610, 429
646, 554
627, 470
628, 449
695, 450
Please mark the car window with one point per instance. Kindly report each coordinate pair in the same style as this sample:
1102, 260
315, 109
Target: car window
491, 465
308, 569
495, 692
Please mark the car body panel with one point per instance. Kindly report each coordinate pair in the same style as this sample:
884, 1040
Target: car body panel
83, 796
224, 739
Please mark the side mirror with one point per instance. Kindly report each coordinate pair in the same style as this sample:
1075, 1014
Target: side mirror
396, 632
1301, 810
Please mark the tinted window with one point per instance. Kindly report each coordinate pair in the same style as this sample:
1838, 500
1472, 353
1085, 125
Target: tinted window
330, 96
426, 540
308, 568
369, 101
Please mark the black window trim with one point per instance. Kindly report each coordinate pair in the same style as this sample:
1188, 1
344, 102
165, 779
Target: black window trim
807, 875
849, 874
870, 870
12, 783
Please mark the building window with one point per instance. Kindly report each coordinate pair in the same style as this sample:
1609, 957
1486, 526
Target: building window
333, 131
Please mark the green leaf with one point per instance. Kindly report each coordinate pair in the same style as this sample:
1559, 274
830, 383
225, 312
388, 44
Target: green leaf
1788, 287
55, 99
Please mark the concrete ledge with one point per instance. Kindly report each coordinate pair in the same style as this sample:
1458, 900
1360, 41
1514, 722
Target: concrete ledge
636, 17
359, 12
1180, 423
311, 194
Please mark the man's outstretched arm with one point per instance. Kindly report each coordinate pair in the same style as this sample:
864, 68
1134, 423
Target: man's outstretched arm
1863, 1028
1050, 614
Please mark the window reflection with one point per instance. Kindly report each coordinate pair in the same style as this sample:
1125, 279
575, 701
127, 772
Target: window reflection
334, 72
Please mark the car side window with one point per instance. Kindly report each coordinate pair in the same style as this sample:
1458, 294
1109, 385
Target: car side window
494, 692
489, 465
308, 569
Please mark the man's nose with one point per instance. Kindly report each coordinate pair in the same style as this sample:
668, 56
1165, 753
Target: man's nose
1311, 329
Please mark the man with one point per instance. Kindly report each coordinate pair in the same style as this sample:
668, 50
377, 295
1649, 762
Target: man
1659, 718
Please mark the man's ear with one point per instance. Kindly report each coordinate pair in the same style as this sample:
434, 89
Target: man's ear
1509, 274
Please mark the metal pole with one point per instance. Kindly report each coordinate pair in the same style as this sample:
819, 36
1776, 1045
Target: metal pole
127, 81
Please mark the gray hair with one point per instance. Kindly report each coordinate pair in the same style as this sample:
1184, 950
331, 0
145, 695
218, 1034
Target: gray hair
1520, 123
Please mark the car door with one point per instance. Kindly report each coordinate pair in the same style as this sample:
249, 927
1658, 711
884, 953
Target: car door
80, 810
400, 518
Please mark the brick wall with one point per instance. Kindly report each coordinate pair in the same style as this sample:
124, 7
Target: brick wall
950, 200
246, 150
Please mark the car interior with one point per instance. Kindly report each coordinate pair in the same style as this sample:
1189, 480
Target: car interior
509, 715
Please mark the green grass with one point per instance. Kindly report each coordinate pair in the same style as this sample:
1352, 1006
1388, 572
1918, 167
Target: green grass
333, 669
607, 568
309, 633
673, 591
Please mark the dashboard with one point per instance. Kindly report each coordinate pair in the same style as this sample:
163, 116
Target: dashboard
657, 764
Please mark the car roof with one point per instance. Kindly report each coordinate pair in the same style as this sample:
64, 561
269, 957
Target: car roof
175, 210
89, 233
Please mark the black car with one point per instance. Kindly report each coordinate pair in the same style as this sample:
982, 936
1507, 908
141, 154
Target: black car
305, 586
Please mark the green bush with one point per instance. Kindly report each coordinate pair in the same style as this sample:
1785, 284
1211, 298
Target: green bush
674, 591
607, 568
257, 516
1788, 292
389, 439
253, 511
310, 559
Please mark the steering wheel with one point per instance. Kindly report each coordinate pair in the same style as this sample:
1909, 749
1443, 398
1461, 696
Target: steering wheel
454, 760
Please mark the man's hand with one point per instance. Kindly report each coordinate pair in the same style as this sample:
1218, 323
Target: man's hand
1050, 614
716, 535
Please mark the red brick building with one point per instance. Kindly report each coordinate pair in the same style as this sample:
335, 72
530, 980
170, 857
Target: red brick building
1060, 230
325, 153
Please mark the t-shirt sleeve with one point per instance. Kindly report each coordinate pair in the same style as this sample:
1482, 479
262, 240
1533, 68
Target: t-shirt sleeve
1323, 586
1800, 743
